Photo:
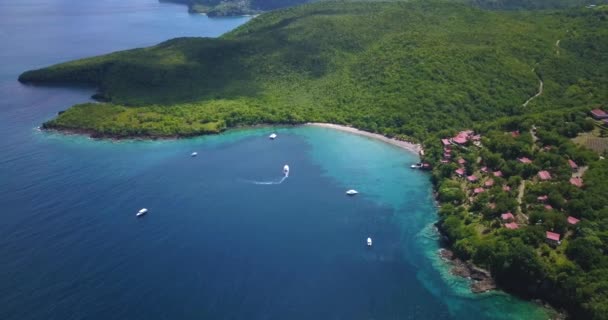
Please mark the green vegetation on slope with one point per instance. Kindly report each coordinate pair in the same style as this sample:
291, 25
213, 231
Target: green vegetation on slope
394, 68
419, 71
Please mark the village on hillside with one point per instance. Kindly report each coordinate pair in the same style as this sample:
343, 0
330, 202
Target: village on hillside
511, 179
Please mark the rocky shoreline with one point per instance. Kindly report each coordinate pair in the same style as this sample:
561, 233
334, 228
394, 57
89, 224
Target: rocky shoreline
482, 280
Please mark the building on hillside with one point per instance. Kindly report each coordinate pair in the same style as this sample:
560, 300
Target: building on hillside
511, 225
577, 182
507, 216
553, 238
542, 198
599, 114
445, 142
506, 188
461, 161
484, 169
463, 137
544, 175
459, 172
497, 173
472, 178
515, 133
548, 207
489, 183
572, 220
524, 160
572, 165
478, 190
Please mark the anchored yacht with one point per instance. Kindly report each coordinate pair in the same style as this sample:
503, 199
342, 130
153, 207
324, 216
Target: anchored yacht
141, 212
352, 192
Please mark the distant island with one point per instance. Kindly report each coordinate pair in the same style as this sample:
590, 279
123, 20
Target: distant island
223, 8
509, 106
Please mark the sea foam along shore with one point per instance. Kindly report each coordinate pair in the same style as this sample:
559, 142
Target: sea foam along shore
409, 146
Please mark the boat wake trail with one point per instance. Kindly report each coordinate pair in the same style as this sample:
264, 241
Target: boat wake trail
285, 176
270, 182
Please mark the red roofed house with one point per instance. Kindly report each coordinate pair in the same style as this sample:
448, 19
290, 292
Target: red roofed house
506, 188
511, 225
498, 173
542, 198
507, 216
489, 183
484, 169
548, 207
515, 134
445, 142
460, 172
544, 175
461, 138
476, 137
461, 161
572, 220
472, 178
576, 181
552, 237
479, 190
573, 165
524, 160
599, 114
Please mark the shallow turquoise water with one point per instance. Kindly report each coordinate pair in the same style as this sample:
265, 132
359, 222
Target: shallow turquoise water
215, 244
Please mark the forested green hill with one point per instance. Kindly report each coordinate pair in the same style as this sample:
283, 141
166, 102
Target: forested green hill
394, 68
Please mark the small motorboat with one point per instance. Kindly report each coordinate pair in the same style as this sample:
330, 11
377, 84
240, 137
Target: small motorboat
416, 166
352, 192
286, 169
194, 154
273, 136
369, 242
141, 212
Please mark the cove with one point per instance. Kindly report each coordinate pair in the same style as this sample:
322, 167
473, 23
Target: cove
214, 244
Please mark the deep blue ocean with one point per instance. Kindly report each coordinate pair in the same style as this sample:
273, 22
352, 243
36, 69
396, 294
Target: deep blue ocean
221, 240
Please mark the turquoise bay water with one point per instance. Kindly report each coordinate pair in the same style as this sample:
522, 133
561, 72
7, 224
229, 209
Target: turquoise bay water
215, 245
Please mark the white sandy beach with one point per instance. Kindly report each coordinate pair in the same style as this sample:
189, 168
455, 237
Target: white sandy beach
409, 146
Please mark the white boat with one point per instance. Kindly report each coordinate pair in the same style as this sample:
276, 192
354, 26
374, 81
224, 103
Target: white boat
194, 154
286, 169
141, 212
352, 192
273, 136
369, 242
416, 166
